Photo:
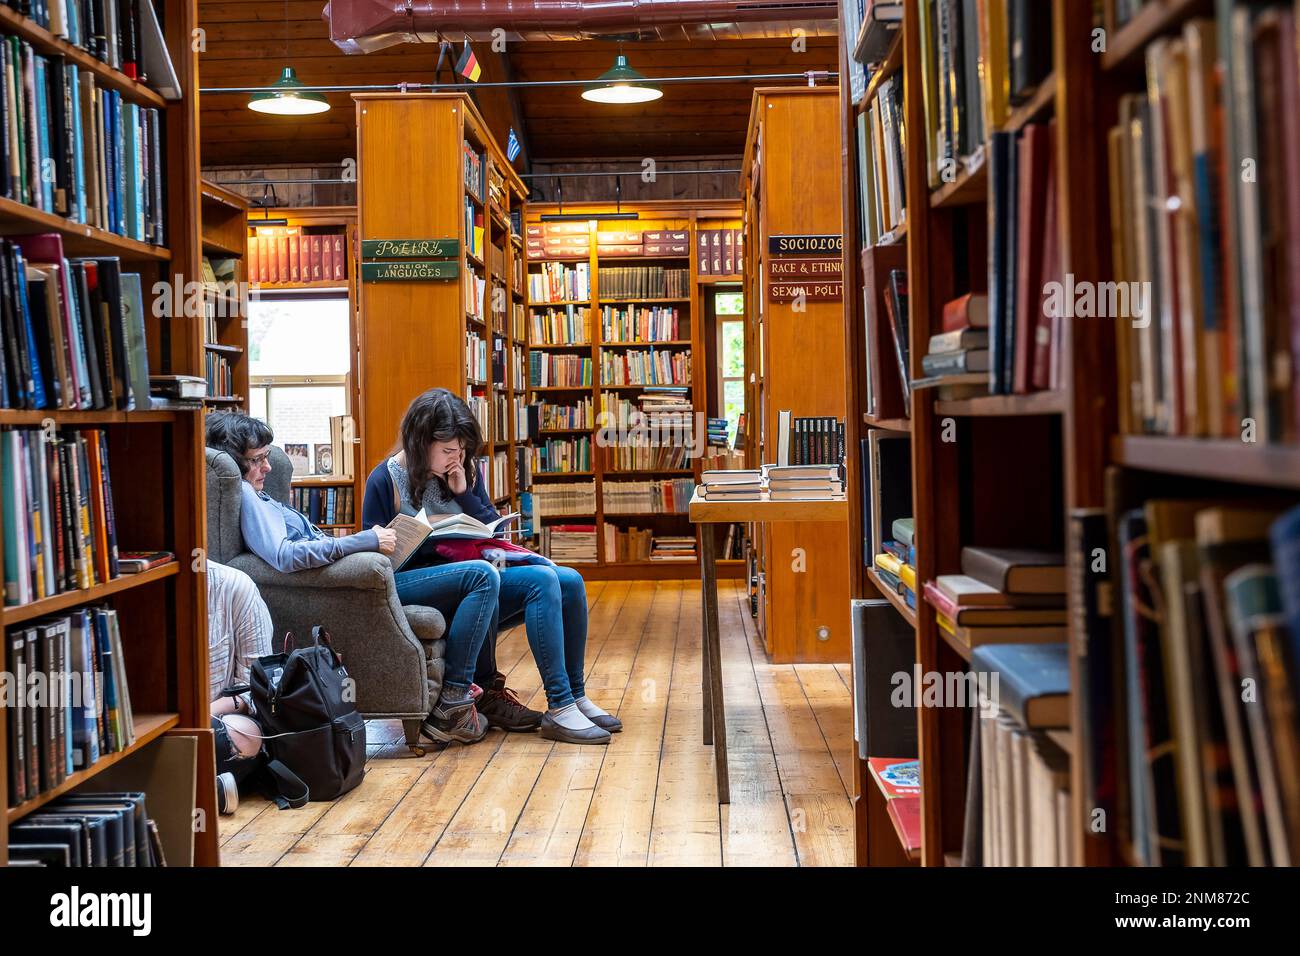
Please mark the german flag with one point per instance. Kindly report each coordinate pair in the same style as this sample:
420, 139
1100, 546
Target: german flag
467, 66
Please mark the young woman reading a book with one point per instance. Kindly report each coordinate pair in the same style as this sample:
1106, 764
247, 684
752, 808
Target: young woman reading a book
434, 469
465, 593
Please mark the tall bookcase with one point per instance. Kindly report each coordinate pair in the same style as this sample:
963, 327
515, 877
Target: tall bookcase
156, 455
416, 181
1024, 470
225, 339
325, 222
686, 218
795, 362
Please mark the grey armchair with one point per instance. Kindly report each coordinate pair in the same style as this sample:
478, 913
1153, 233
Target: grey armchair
394, 653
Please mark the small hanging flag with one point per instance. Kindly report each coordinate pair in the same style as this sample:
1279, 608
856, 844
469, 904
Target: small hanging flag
512, 145
467, 66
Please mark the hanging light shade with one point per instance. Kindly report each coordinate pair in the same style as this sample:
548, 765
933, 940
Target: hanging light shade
284, 97
621, 84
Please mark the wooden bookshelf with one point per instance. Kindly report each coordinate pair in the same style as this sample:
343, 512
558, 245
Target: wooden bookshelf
795, 360
155, 455
433, 130
225, 215
662, 215
943, 241
976, 490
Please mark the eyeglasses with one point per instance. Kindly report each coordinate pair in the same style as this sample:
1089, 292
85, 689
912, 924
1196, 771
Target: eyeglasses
255, 460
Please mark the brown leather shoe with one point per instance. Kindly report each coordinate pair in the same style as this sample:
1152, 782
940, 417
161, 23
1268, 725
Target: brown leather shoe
503, 708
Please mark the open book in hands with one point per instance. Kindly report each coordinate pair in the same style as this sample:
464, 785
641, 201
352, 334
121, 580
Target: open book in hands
414, 531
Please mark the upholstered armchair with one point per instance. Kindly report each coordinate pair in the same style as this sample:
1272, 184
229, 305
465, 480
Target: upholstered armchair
394, 653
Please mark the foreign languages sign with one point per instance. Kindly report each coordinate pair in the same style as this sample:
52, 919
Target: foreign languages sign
805, 245
421, 270
409, 248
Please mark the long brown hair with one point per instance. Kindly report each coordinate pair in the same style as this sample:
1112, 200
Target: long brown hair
437, 415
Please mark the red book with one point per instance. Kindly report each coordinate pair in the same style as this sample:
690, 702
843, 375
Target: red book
905, 812
940, 601
1035, 149
896, 776
703, 253
251, 266
282, 252
715, 247
970, 311
340, 260
266, 258
728, 252
295, 258
1290, 119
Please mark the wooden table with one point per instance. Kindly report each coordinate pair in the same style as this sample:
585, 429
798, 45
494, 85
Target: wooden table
706, 514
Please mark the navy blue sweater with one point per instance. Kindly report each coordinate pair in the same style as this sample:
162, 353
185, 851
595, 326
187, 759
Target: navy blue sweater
377, 506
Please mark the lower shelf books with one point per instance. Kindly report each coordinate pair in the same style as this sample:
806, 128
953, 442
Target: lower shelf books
219, 373
564, 498
74, 704
59, 528
642, 544
647, 457
1018, 799
324, 506
648, 497
88, 829
1206, 595
569, 543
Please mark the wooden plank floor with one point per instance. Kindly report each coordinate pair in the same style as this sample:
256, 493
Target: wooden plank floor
648, 799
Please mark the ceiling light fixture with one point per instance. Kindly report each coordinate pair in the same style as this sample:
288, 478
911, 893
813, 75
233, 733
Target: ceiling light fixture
285, 97
621, 84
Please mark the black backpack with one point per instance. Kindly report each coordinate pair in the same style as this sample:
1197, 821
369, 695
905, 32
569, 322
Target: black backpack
309, 723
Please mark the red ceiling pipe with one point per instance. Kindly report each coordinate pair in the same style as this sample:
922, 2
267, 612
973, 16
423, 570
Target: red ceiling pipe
363, 26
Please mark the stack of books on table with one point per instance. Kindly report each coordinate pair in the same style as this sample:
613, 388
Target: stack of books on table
896, 564
740, 485
803, 482
1005, 595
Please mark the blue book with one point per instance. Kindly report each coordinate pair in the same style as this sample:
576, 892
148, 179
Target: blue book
133, 172
37, 393
45, 156
10, 486
1207, 208
890, 579
1033, 681
1133, 555
78, 199
1284, 538
897, 550
108, 710
909, 596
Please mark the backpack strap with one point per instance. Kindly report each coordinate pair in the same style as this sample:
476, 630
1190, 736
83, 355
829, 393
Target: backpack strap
284, 787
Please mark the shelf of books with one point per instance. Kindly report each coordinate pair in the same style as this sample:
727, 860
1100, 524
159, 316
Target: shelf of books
225, 277
1099, 424
470, 320
791, 238
616, 386
313, 254
101, 508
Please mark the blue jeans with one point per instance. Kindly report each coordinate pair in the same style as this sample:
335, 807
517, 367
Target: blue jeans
466, 594
554, 606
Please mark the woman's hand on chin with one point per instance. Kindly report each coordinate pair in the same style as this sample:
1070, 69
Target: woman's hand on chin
455, 479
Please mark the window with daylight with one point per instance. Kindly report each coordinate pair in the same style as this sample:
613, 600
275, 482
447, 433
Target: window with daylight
298, 367
730, 310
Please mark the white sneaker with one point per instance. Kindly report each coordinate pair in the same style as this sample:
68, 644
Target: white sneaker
227, 794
